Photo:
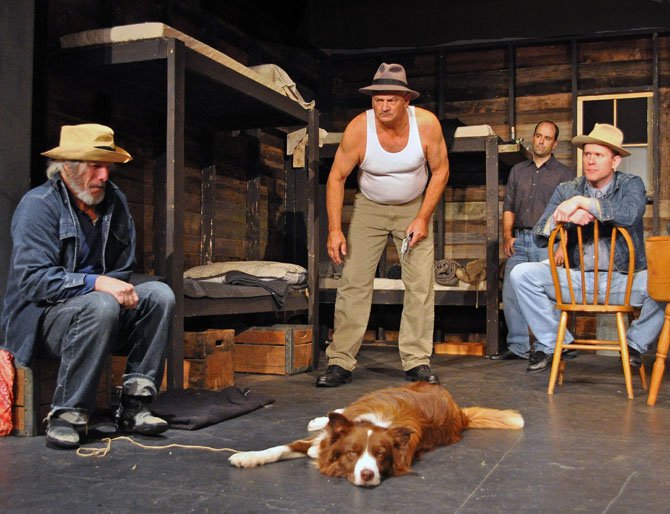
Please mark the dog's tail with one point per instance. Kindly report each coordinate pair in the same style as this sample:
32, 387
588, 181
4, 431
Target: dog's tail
481, 417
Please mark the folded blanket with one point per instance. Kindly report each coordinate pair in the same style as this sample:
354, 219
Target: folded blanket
277, 288
191, 409
445, 272
473, 273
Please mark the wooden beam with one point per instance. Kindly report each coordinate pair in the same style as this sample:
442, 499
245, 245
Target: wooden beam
511, 108
656, 137
207, 213
174, 202
313, 223
492, 247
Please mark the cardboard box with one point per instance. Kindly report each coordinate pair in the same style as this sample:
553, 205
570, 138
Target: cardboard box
277, 350
33, 391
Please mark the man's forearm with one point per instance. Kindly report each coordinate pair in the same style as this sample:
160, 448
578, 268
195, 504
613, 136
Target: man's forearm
334, 203
432, 195
508, 224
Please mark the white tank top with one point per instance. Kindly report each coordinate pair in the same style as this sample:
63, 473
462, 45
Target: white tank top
392, 177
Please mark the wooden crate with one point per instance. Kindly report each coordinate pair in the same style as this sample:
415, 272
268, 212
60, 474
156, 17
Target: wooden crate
208, 361
210, 358
276, 350
33, 391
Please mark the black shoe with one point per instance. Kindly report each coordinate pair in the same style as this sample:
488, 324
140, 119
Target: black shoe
539, 362
569, 354
333, 377
634, 357
421, 373
507, 355
134, 416
63, 432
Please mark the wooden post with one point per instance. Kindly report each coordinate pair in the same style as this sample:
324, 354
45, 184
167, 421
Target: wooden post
174, 202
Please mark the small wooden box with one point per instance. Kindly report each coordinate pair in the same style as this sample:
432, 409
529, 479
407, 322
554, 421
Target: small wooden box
208, 361
33, 391
210, 358
277, 350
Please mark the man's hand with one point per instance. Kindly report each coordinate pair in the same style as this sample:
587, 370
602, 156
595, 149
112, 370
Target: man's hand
123, 291
568, 207
559, 258
337, 246
419, 230
508, 246
581, 217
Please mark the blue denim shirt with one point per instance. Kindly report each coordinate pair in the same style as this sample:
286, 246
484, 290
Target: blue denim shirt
622, 205
45, 237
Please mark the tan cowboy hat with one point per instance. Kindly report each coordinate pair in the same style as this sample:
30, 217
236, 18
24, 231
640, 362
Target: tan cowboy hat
603, 134
389, 78
88, 142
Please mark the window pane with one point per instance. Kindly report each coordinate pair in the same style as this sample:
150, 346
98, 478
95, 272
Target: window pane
597, 111
632, 119
636, 163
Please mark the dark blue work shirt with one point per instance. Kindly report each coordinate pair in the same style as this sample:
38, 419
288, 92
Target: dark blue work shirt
89, 256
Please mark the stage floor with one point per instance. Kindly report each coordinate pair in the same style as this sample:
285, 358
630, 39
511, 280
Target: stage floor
586, 449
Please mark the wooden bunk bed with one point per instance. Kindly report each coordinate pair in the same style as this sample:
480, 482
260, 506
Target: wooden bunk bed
193, 83
487, 153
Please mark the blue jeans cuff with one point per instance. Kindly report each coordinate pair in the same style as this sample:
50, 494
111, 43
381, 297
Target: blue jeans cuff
135, 384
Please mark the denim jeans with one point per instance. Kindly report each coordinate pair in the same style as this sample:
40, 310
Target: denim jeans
525, 250
535, 294
82, 331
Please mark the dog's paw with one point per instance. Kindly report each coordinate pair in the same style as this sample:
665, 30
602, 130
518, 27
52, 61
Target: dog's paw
317, 424
313, 452
246, 459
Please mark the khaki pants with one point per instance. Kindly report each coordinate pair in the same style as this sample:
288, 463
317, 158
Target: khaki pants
368, 233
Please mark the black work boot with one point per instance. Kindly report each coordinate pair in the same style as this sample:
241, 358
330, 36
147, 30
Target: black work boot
63, 429
133, 415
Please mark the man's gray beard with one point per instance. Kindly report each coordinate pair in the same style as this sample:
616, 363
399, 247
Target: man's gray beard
85, 196
79, 192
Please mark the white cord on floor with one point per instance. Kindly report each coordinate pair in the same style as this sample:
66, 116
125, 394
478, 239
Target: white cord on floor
105, 450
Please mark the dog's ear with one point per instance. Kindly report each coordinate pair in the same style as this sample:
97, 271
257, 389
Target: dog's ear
402, 457
400, 436
339, 424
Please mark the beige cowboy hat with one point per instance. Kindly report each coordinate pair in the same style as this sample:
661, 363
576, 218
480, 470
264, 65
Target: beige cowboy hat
603, 134
87, 142
390, 78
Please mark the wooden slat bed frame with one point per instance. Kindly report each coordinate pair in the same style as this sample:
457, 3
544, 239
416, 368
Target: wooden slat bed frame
191, 85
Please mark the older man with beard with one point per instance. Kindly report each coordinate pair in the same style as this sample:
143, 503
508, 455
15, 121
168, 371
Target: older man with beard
68, 292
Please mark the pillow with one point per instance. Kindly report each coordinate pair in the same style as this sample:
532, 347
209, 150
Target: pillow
291, 273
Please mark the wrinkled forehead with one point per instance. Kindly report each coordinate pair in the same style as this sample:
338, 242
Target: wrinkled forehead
388, 96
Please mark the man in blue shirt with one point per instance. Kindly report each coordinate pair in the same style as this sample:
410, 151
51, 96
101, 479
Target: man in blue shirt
68, 292
613, 198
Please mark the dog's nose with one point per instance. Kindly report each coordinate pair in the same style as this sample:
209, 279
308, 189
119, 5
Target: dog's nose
367, 475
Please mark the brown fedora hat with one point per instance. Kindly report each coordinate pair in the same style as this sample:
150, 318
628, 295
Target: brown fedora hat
603, 134
390, 78
87, 142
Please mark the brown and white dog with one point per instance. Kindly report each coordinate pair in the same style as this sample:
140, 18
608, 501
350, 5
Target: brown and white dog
383, 433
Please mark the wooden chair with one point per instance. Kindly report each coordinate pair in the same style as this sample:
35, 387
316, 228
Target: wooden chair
583, 305
658, 286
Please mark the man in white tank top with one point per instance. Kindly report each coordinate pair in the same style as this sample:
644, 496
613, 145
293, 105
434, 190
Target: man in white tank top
391, 144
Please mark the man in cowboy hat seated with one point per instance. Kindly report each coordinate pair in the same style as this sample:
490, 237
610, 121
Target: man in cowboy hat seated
391, 144
68, 293
612, 197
